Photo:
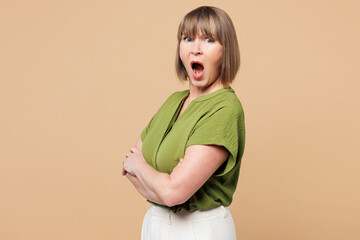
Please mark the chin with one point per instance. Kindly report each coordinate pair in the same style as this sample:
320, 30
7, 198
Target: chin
199, 84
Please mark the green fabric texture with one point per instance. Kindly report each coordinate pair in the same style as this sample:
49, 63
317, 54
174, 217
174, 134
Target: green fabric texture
216, 118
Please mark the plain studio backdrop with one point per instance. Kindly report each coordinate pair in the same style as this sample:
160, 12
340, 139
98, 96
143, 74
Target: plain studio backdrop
81, 79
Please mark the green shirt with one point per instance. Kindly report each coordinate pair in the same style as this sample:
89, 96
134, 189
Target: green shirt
216, 118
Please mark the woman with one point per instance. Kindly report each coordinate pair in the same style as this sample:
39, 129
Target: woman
186, 162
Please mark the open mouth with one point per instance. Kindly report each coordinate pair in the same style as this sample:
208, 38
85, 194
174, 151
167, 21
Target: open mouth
197, 69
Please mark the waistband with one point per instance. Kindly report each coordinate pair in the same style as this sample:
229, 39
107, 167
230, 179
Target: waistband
165, 213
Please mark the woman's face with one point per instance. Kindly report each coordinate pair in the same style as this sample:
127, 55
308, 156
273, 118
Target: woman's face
201, 57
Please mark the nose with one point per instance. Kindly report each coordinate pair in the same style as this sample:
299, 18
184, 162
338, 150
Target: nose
196, 47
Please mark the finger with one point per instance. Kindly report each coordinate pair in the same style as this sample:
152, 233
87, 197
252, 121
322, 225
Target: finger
123, 170
134, 149
129, 175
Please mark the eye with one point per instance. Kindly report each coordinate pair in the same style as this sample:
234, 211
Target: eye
209, 40
187, 39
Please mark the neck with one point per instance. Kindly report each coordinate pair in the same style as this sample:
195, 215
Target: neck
199, 91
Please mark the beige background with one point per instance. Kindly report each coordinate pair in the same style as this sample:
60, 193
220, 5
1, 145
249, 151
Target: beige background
81, 79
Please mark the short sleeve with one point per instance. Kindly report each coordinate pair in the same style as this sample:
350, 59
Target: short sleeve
222, 128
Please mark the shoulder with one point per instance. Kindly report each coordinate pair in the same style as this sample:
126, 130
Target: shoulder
226, 104
233, 105
177, 95
174, 98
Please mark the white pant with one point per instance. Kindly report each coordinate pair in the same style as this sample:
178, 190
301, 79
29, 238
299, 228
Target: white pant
213, 224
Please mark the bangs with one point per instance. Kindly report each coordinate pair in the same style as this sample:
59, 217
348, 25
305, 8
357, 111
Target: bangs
202, 22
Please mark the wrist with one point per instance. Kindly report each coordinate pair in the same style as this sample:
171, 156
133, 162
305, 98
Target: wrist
141, 166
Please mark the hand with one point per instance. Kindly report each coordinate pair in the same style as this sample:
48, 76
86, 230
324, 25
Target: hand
134, 158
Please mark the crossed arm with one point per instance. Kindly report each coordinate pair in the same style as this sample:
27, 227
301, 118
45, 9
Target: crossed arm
198, 164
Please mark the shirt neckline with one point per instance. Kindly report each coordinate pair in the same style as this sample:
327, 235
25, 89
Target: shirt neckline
209, 95
198, 99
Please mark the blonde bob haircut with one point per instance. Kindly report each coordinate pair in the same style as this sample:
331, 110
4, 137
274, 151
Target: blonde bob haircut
215, 23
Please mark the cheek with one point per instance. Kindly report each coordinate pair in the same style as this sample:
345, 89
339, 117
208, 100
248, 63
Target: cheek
219, 54
216, 59
214, 53
182, 53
